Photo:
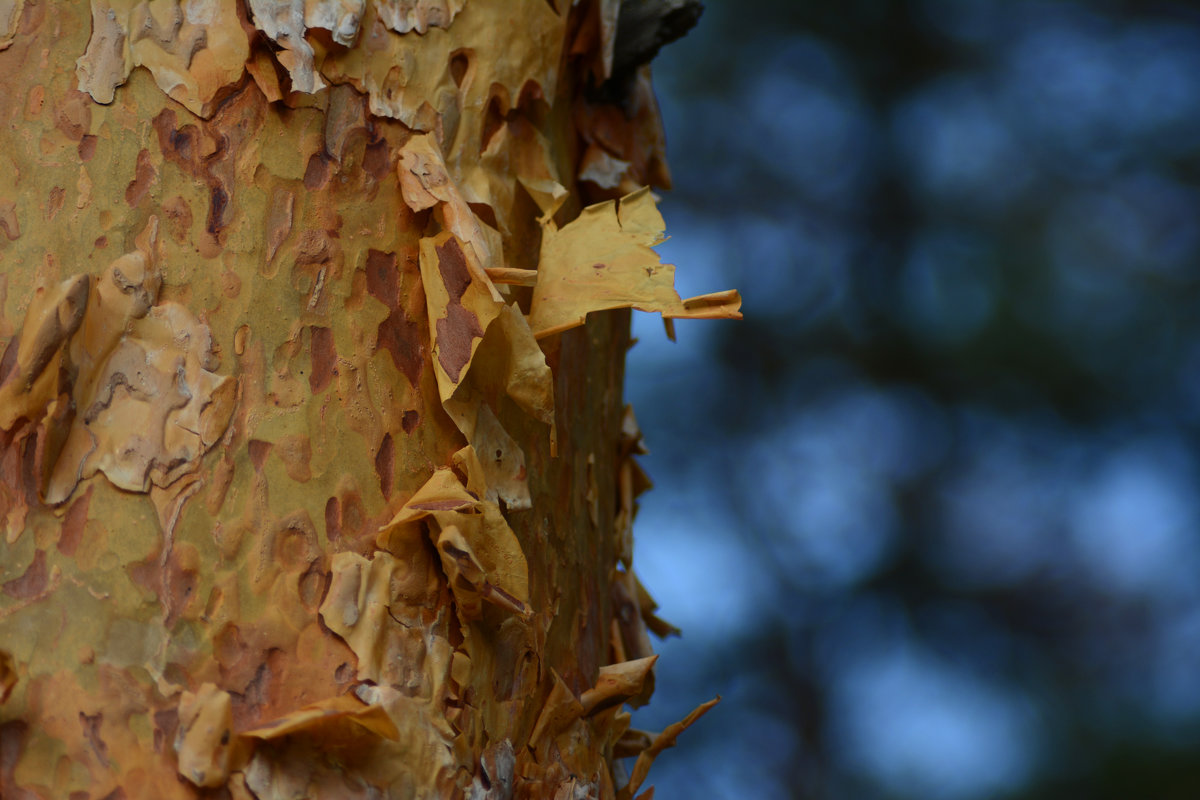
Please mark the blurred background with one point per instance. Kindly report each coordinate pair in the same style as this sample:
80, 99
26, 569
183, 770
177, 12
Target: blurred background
928, 516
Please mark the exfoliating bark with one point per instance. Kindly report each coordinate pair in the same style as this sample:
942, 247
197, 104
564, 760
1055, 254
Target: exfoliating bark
299, 497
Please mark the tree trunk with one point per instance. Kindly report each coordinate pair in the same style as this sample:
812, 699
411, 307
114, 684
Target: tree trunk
314, 481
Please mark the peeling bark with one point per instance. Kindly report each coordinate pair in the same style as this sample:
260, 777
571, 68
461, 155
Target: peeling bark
315, 477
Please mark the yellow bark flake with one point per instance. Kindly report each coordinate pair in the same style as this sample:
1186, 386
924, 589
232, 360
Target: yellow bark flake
462, 304
378, 607
603, 259
373, 718
661, 742
617, 683
205, 742
478, 550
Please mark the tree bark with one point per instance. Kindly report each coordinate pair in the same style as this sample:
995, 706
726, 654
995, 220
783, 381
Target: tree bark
314, 481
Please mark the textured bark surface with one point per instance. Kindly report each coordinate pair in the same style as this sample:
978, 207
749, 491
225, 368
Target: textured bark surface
295, 502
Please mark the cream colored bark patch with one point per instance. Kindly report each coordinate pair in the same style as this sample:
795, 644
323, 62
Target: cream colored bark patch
386, 748
616, 684
604, 260
107, 62
205, 738
196, 50
374, 605
130, 380
403, 16
425, 183
340, 17
410, 78
10, 15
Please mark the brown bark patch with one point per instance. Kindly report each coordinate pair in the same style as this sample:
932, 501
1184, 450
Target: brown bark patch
74, 115
9, 225
312, 586
228, 648
231, 284
143, 176
353, 514
377, 161
258, 452
398, 335
166, 723
204, 154
316, 175
54, 202
177, 145
460, 64
314, 247
385, 465
87, 147
295, 542
32, 582
91, 732
459, 328
180, 589
9, 359
146, 574
178, 218
12, 744
382, 277
218, 205
73, 524
409, 421
295, 451
279, 220
333, 519
324, 359
35, 102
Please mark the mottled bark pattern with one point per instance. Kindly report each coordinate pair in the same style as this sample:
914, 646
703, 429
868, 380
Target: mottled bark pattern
227, 383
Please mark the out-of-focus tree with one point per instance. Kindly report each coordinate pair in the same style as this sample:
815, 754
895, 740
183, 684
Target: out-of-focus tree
957, 464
